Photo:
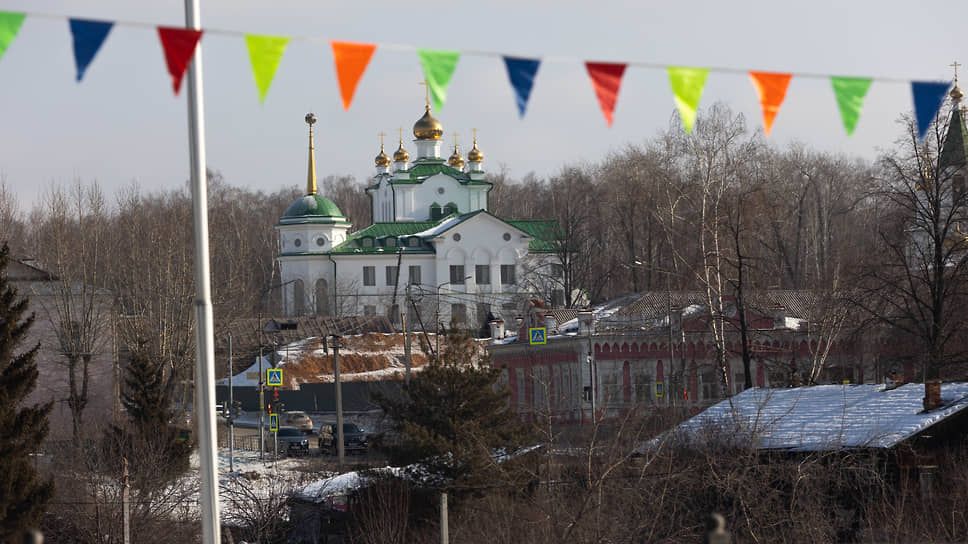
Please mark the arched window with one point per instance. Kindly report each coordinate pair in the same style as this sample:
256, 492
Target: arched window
449, 208
298, 298
435, 212
322, 298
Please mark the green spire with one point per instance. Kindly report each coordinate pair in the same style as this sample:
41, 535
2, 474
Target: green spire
955, 149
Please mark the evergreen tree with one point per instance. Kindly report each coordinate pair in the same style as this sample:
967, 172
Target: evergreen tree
23, 499
453, 420
156, 450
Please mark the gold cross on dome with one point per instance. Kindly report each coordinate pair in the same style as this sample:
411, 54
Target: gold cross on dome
475, 135
455, 140
382, 134
955, 65
400, 133
426, 91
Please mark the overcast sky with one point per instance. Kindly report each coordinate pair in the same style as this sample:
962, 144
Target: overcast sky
123, 124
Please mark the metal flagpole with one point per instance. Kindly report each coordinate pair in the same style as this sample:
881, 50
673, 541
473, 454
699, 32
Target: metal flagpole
204, 337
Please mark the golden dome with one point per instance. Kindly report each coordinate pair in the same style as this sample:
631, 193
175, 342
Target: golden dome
455, 159
956, 93
382, 159
401, 155
428, 127
475, 155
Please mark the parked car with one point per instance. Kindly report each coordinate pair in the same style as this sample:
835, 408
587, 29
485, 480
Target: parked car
354, 438
297, 419
292, 441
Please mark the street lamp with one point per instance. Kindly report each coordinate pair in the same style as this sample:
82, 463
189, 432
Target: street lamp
437, 315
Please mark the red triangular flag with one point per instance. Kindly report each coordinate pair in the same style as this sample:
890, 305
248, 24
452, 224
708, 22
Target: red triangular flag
606, 79
351, 60
771, 88
179, 45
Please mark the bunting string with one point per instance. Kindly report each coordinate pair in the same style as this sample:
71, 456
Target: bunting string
439, 66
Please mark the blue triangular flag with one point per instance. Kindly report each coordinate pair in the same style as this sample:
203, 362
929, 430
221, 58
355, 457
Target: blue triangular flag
928, 96
522, 73
88, 37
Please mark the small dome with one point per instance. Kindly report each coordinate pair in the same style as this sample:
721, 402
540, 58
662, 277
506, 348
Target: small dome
312, 205
956, 93
401, 155
455, 159
428, 127
382, 159
475, 154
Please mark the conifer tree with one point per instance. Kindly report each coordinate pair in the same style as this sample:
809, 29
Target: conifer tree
453, 419
23, 498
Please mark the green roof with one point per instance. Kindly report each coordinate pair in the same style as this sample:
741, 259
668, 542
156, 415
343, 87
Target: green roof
544, 231
384, 230
955, 149
313, 206
424, 168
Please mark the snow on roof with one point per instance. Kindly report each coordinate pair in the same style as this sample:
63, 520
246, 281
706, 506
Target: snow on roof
822, 417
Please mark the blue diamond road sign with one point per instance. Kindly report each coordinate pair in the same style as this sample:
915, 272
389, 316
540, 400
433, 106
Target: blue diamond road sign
273, 422
538, 336
274, 377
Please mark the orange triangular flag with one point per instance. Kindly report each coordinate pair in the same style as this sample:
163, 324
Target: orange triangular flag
351, 60
772, 88
606, 79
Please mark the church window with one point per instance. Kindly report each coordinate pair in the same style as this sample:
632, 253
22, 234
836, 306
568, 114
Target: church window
321, 241
449, 208
457, 237
507, 236
367, 242
414, 241
435, 212
392, 272
391, 242
322, 297
414, 274
297, 243
369, 275
298, 297
457, 274
369, 310
507, 274
458, 313
482, 273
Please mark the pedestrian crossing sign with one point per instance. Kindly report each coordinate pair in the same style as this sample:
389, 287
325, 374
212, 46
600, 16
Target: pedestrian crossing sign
538, 336
273, 422
274, 377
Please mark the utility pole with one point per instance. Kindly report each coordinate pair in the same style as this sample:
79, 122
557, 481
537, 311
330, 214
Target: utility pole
262, 408
406, 340
444, 536
231, 413
339, 404
125, 503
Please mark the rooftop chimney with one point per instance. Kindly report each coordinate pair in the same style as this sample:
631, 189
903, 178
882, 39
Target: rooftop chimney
779, 317
497, 331
932, 395
551, 322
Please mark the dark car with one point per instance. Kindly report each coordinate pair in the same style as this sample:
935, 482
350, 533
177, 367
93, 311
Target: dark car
292, 441
354, 438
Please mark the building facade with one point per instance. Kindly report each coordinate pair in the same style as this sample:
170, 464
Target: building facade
433, 252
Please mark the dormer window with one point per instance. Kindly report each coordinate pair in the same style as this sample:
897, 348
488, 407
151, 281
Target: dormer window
414, 241
449, 208
367, 242
390, 242
435, 212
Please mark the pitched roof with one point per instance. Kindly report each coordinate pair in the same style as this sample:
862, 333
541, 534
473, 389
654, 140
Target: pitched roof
822, 417
955, 149
425, 168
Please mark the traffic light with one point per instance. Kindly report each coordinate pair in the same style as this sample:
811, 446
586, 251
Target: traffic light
275, 394
269, 407
281, 407
237, 408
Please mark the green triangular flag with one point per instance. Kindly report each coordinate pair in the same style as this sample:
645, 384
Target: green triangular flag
9, 27
687, 84
438, 66
850, 93
265, 52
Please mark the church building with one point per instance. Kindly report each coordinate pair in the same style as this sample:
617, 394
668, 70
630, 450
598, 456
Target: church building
434, 251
